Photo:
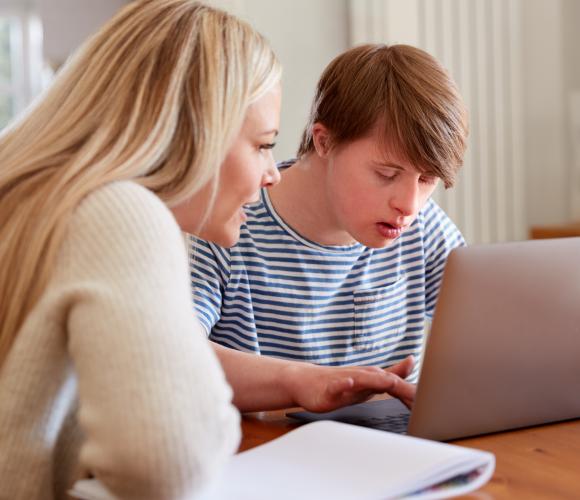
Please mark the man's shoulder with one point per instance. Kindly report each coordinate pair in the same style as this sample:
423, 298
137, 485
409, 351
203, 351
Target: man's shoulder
432, 216
432, 210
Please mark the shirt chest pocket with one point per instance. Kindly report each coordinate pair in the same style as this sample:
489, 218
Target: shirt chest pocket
380, 316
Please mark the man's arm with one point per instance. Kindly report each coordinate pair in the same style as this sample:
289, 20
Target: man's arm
263, 383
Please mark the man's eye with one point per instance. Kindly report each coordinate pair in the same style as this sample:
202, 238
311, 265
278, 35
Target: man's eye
388, 177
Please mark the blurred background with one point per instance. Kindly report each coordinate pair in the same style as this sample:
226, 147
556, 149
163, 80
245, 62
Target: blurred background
516, 62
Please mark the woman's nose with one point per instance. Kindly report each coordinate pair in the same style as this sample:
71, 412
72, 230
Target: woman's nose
271, 175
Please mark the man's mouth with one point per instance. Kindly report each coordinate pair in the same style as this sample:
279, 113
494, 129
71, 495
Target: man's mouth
390, 231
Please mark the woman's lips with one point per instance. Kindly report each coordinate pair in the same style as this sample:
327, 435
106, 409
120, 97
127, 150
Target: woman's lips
389, 231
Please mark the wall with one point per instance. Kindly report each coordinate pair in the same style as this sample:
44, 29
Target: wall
306, 35
571, 42
547, 161
550, 41
67, 23
479, 43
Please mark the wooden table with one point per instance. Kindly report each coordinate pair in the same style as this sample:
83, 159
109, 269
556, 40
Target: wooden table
558, 231
531, 464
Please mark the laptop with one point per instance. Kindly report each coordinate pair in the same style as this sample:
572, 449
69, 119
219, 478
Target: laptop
504, 347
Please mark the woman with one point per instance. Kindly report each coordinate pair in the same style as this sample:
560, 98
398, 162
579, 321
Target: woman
103, 370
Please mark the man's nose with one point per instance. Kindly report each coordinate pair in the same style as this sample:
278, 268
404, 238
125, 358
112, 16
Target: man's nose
406, 198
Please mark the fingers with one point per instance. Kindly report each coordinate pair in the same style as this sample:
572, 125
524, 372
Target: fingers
382, 381
374, 379
339, 385
404, 368
405, 391
356, 383
345, 386
342, 392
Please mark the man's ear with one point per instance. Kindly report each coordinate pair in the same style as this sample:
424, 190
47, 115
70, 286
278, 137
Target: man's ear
322, 139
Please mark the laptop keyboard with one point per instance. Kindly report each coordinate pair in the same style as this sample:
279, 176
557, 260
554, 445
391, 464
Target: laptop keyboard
392, 423
387, 415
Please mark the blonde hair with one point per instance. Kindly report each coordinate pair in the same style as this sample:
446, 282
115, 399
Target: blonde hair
157, 96
405, 91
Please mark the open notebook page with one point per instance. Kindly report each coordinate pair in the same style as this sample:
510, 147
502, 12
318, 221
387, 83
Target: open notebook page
328, 459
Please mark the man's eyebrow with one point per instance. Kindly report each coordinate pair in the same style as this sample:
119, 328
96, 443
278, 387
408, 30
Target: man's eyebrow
389, 165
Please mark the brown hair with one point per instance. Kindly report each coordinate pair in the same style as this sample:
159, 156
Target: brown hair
405, 91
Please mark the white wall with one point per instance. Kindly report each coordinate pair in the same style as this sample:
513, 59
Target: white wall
571, 34
479, 43
67, 23
571, 31
547, 161
306, 35
552, 66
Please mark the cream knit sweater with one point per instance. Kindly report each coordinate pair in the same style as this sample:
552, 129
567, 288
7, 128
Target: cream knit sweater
111, 374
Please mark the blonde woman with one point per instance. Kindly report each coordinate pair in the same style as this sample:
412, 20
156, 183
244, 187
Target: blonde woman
164, 120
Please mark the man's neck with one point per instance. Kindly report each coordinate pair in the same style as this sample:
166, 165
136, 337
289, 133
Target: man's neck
301, 200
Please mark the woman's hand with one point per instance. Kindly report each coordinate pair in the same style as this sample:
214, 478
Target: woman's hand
322, 389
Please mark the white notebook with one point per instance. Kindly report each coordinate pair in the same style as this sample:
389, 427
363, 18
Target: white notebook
328, 459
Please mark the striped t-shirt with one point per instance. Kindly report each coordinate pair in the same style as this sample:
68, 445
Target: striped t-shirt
279, 294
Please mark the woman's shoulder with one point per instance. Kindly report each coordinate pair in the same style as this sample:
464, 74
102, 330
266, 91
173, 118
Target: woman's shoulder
123, 218
123, 206
121, 196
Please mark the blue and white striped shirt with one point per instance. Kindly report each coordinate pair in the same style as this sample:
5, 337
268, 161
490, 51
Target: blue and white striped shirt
278, 294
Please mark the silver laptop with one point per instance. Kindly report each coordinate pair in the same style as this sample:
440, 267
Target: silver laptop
504, 347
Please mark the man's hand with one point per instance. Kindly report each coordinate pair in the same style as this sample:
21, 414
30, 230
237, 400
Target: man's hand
322, 389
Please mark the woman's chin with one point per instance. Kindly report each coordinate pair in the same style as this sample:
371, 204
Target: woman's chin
225, 234
228, 237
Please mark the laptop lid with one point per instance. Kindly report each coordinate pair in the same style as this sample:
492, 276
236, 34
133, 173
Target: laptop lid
504, 347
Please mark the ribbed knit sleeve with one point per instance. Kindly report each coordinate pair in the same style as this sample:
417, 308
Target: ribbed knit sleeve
155, 407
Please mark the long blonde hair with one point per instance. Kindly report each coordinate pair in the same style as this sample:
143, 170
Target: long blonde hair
157, 96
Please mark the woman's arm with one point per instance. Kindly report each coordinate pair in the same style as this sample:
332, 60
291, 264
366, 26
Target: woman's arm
154, 403
264, 383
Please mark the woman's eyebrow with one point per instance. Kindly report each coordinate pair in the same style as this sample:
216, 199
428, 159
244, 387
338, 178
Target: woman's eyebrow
268, 132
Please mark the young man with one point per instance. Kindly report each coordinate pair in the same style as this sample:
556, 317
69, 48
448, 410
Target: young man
341, 263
